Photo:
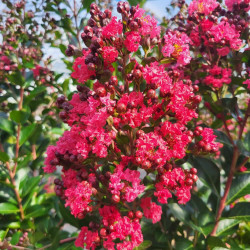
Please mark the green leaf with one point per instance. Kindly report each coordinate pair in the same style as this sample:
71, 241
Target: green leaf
246, 142
26, 132
29, 65
34, 93
3, 234
208, 170
230, 104
16, 78
20, 116
8, 208
182, 243
35, 211
6, 125
226, 224
144, 245
122, 139
3, 156
15, 238
129, 67
87, 3
28, 184
222, 137
63, 48
183, 216
239, 188
67, 216
215, 242
240, 211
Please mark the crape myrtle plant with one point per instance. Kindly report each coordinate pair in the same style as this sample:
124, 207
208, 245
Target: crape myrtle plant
138, 131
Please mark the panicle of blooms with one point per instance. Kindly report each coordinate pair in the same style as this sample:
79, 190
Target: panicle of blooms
132, 41
227, 32
87, 239
109, 54
122, 229
202, 6
78, 198
155, 74
148, 24
247, 82
177, 46
151, 210
207, 143
81, 71
174, 181
218, 76
112, 28
127, 182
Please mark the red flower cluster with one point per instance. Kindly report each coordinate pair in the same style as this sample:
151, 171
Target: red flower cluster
131, 127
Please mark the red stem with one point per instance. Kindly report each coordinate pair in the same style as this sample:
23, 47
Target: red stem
227, 188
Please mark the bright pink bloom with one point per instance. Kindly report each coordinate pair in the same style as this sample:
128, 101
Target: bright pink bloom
223, 51
50, 168
177, 46
86, 239
112, 29
247, 82
218, 76
225, 31
157, 75
151, 210
110, 54
81, 71
132, 41
149, 24
202, 6
209, 138
78, 198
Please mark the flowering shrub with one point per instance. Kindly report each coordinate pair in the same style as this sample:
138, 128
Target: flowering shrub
156, 148
133, 119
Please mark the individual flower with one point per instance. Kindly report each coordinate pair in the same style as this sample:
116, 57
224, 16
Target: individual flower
218, 76
112, 29
78, 198
225, 31
151, 210
110, 54
132, 41
87, 239
81, 71
202, 6
177, 46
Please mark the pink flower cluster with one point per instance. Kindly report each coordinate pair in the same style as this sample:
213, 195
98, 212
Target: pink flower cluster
202, 6
218, 76
177, 46
132, 124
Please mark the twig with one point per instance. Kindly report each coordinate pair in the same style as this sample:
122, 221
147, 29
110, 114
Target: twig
18, 247
60, 242
242, 126
20, 106
227, 188
33, 147
243, 163
13, 182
